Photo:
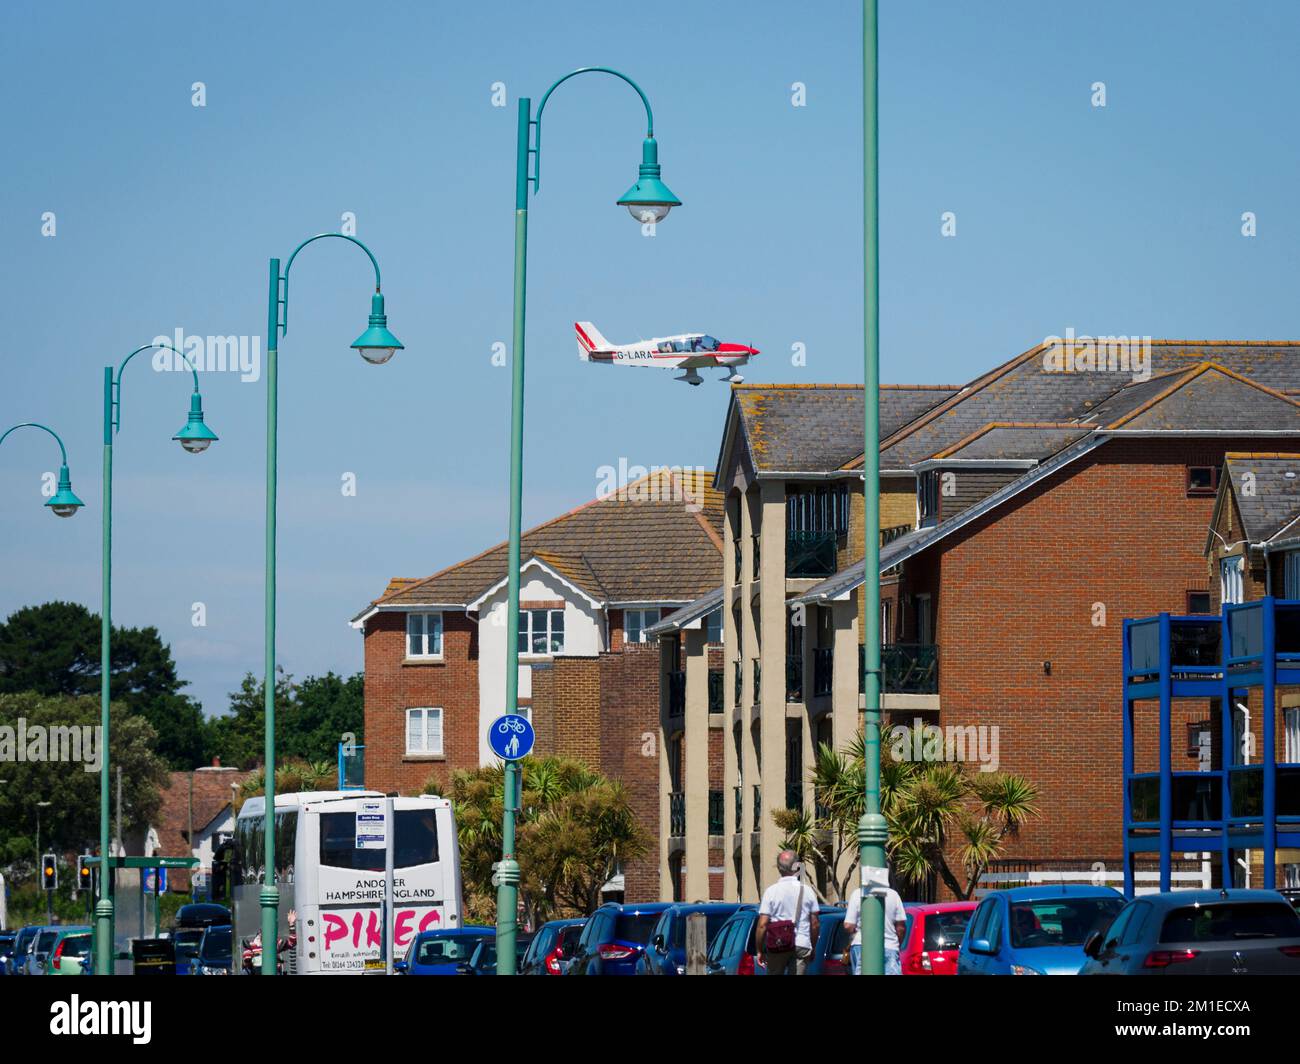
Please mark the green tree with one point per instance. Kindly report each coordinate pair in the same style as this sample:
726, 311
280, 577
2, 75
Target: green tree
71, 822
575, 830
311, 719
53, 649
943, 818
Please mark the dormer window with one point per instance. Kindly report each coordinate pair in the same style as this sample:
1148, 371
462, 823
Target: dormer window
927, 496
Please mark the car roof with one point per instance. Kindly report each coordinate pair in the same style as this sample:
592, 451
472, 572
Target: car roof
701, 906
932, 907
1048, 891
1178, 898
635, 908
470, 930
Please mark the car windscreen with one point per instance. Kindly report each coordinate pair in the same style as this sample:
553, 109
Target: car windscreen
945, 930
712, 922
415, 843
447, 949
215, 948
1230, 922
635, 927
187, 940
1060, 921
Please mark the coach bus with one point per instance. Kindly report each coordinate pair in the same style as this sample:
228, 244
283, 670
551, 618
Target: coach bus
335, 889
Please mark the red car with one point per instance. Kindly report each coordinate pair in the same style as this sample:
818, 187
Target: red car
933, 937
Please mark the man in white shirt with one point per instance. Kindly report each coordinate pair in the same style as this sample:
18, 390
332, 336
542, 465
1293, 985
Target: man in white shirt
895, 924
787, 901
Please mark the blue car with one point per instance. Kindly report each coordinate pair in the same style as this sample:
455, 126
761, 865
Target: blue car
666, 954
442, 952
615, 938
1035, 930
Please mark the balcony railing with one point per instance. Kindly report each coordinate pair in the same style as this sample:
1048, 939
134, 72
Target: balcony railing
740, 808
758, 680
715, 813
715, 691
758, 554
908, 669
736, 543
888, 535
758, 807
794, 677
810, 553
823, 671
740, 679
677, 693
677, 814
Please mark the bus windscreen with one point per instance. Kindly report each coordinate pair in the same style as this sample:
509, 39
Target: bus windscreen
415, 842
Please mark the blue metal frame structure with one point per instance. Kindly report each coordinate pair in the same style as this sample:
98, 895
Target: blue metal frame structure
1235, 806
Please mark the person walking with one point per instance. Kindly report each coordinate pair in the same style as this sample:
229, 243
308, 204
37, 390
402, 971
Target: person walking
788, 925
895, 926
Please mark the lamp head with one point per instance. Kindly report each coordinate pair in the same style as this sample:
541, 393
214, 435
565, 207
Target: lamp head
195, 436
377, 345
63, 503
649, 200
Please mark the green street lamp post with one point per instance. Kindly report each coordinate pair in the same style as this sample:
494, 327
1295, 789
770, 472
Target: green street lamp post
648, 201
63, 503
873, 831
195, 437
376, 345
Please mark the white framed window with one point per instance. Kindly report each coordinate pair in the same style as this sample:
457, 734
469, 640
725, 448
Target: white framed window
713, 626
424, 732
1291, 735
635, 622
541, 631
424, 635
1291, 574
1230, 579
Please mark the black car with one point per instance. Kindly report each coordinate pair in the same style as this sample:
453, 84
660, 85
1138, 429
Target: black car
1198, 932
552, 948
191, 921
215, 952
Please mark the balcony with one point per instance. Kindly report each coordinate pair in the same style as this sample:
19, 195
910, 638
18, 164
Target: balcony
715, 691
740, 808
823, 671
907, 668
758, 681
677, 693
715, 813
740, 680
888, 535
810, 554
677, 814
794, 677
758, 554
758, 807
736, 544
794, 796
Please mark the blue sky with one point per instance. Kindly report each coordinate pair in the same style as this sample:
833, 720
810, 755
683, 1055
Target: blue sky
1123, 219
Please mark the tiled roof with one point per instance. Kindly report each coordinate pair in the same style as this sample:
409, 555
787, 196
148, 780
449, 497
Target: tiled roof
1026, 389
1016, 440
1267, 491
692, 611
1209, 397
817, 428
211, 795
658, 539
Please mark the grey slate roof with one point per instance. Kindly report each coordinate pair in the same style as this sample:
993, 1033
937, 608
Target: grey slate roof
692, 611
817, 428
1272, 501
1017, 441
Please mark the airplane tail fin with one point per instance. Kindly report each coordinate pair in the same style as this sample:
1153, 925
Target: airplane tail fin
590, 340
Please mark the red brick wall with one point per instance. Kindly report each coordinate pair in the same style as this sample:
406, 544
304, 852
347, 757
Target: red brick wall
1018, 589
393, 686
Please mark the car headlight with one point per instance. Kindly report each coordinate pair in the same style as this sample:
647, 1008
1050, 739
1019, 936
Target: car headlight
681, 969
1024, 969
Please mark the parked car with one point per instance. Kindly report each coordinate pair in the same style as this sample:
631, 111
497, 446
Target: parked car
933, 937
615, 937
191, 921
483, 961
71, 946
7, 939
666, 952
40, 949
215, 952
832, 944
439, 952
1292, 894
1199, 932
1036, 930
732, 951
551, 950
22, 948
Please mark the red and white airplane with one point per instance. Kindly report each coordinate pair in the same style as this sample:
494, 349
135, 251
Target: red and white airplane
689, 351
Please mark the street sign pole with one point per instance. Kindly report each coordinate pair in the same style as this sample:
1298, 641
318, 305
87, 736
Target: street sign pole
390, 825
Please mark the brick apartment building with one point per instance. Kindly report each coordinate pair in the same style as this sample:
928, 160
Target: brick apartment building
1023, 516
593, 581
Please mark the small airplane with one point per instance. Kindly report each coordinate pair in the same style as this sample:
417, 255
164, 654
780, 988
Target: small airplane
689, 351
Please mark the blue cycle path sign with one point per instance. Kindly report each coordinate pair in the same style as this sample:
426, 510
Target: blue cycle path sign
511, 737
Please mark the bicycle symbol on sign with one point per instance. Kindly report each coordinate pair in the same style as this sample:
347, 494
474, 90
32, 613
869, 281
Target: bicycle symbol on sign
517, 726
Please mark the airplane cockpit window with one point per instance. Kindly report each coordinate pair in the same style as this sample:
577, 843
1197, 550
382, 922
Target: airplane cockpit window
682, 345
666, 347
706, 343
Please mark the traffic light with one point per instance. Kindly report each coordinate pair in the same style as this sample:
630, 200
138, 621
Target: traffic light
85, 875
49, 872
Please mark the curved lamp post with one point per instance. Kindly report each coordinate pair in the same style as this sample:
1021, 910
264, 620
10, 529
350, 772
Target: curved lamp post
195, 437
376, 345
63, 503
648, 200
